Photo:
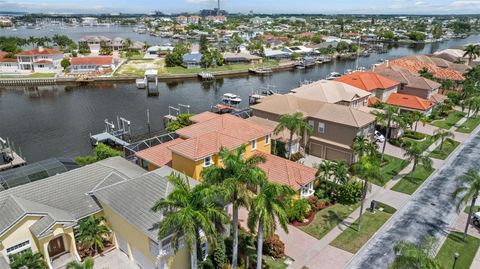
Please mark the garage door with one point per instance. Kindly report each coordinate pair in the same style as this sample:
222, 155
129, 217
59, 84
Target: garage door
333, 154
141, 260
316, 150
122, 244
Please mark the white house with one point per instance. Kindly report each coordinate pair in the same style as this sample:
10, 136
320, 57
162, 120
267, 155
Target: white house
40, 60
91, 64
7, 65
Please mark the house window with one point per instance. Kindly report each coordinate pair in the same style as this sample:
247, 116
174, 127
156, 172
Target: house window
267, 139
311, 123
19, 248
321, 127
154, 249
208, 161
307, 190
254, 144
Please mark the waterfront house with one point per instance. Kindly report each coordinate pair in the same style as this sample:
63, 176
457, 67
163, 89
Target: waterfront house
334, 126
241, 58
410, 83
8, 65
380, 86
333, 92
92, 64
277, 55
439, 69
300, 50
198, 146
40, 60
94, 42
408, 102
157, 51
41, 216
192, 60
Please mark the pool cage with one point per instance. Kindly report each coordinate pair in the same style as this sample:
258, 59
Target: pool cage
135, 147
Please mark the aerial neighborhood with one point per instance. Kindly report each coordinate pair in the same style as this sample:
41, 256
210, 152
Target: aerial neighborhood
240, 141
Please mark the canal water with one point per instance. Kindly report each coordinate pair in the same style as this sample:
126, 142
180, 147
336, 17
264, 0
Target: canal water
56, 121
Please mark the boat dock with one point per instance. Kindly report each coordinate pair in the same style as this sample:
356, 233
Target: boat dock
261, 71
206, 76
111, 136
151, 80
8, 157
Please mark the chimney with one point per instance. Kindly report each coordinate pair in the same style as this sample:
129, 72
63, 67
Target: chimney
40, 48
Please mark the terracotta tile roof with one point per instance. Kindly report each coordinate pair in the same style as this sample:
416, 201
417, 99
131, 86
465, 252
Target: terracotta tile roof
206, 144
285, 172
6, 60
39, 51
96, 60
229, 125
415, 65
407, 77
368, 81
373, 101
409, 101
204, 116
159, 155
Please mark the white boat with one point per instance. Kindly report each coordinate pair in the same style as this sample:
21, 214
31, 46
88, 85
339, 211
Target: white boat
348, 71
334, 75
231, 99
141, 83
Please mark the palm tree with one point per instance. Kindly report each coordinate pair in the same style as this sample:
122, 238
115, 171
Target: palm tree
87, 264
473, 103
410, 255
236, 178
471, 51
325, 170
367, 170
187, 211
268, 207
388, 116
413, 152
471, 178
340, 173
29, 260
442, 135
447, 85
92, 232
360, 144
416, 117
296, 125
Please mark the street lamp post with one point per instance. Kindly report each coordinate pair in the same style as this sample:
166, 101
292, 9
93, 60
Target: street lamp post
455, 257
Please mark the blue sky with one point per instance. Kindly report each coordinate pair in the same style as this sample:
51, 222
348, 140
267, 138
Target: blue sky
266, 6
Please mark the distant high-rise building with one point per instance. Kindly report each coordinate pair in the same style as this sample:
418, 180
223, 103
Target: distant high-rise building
213, 12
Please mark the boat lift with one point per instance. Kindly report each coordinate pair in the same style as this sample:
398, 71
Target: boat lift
111, 136
174, 112
8, 157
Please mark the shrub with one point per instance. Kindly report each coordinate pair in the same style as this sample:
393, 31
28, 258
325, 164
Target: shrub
414, 135
219, 253
454, 97
317, 204
296, 156
298, 210
350, 193
207, 263
396, 142
274, 247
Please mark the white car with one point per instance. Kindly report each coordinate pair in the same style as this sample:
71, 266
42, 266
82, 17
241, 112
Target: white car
476, 219
379, 137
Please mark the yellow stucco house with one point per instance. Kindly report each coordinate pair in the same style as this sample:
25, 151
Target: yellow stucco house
42, 215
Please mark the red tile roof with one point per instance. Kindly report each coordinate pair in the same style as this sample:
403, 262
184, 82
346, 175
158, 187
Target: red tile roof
39, 51
229, 125
409, 101
373, 101
204, 145
285, 172
368, 81
159, 155
6, 60
204, 116
96, 60
43, 62
438, 72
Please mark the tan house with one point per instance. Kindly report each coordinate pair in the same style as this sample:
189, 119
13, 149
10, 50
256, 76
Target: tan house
334, 126
333, 92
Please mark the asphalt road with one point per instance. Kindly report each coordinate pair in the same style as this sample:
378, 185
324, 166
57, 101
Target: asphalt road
430, 211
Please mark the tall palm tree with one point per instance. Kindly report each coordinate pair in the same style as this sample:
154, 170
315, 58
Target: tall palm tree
388, 116
340, 173
29, 260
187, 211
268, 207
442, 134
416, 117
473, 103
236, 178
470, 192
92, 232
324, 169
447, 85
413, 152
87, 264
294, 123
360, 144
367, 170
471, 51
415, 256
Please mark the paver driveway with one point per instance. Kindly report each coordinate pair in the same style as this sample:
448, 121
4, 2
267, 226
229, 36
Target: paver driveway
430, 211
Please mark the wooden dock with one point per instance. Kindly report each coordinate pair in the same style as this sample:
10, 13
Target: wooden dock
27, 81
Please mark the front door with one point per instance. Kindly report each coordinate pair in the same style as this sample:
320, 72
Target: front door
56, 246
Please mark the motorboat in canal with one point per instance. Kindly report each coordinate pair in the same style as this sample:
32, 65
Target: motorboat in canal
334, 75
231, 99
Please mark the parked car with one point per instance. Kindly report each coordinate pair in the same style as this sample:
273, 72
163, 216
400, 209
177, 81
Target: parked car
476, 219
379, 137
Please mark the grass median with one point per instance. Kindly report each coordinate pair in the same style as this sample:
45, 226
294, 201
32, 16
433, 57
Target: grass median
392, 167
410, 182
449, 145
469, 125
454, 244
449, 121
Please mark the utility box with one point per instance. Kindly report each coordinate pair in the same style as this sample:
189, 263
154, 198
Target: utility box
373, 204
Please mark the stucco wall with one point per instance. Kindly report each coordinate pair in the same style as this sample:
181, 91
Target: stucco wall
18, 234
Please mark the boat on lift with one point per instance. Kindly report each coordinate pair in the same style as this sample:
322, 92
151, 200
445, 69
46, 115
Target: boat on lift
334, 75
231, 99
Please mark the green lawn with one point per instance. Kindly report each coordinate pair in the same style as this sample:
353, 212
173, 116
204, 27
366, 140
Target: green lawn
392, 168
326, 219
410, 182
466, 251
181, 70
449, 145
351, 240
34, 75
469, 125
424, 144
274, 263
449, 121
